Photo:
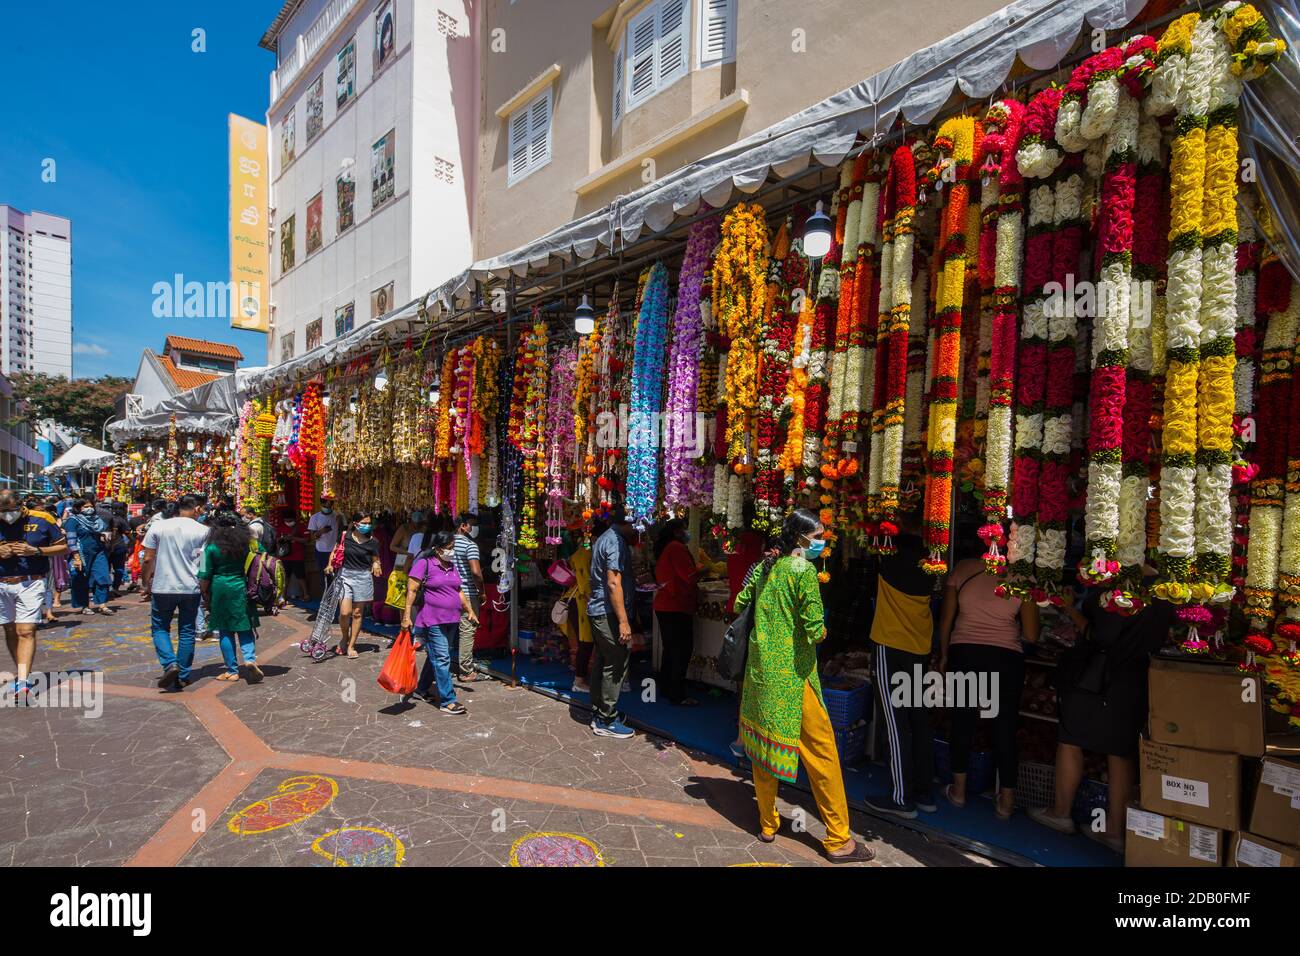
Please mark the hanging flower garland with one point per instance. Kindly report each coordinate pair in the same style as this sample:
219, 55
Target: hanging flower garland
683, 474
1216, 401
527, 431
1004, 126
895, 339
1288, 576
647, 398
560, 428
796, 393
775, 369
1058, 395
1268, 488
956, 144
1110, 345
1037, 157
739, 295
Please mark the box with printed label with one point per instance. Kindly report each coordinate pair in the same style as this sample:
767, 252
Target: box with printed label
1154, 839
1199, 786
1206, 706
1276, 810
1251, 850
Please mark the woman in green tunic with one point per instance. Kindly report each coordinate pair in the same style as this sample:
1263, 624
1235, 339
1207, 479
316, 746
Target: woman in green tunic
782, 716
223, 586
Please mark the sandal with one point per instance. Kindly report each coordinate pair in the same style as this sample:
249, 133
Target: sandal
352, 654
861, 853
454, 709
1003, 814
226, 675
947, 795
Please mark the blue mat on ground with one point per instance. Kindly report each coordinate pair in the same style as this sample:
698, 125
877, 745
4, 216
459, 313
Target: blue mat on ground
711, 727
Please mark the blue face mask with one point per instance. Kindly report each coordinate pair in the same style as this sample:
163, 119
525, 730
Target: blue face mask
364, 528
417, 516
814, 548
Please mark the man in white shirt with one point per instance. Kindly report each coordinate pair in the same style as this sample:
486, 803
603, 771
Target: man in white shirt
169, 561
323, 530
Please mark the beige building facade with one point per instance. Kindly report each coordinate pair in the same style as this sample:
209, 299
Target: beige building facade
586, 100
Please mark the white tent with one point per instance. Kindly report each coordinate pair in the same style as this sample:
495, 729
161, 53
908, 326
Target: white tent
77, 457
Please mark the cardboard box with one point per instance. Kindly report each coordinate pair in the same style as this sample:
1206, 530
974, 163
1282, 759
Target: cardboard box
1199, 786
1206, 706
1153, 839
1251, 850
1276, 810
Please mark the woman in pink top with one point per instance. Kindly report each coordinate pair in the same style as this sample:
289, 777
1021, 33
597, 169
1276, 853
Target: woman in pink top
980, 635
435, 586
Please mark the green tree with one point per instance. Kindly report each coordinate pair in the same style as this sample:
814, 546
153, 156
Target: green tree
81, 405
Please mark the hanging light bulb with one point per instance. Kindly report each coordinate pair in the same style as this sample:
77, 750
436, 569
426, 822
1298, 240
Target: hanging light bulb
817, 234
584, 319
352, 403
325, 399
381, 380
434, 395
189, 445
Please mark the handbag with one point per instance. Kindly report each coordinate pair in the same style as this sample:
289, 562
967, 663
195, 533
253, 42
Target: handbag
560, 612
399, 675
397, 584
730, 662
562, 574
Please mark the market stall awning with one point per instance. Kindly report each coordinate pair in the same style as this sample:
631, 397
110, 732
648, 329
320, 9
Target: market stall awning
77, 457
210, 409
977, 61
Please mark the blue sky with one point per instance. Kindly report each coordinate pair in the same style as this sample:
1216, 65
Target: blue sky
136, 124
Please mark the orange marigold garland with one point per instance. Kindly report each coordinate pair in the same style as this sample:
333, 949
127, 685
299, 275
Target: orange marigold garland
956, 146
740, 295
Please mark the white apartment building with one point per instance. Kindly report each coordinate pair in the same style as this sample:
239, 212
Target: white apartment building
371, 131
36, 293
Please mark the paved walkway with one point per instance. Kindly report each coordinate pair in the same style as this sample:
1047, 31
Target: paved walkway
318, 765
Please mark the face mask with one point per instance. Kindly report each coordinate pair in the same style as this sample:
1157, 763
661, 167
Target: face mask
291, 521
364, 528
473, 532
417, 516
326, 511
814, 548
11, 516
87, 511
446, 556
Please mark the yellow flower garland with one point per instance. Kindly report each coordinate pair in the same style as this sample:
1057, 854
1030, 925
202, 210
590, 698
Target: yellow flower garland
740, 296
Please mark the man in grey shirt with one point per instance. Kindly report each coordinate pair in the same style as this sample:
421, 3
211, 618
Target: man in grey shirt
613, 590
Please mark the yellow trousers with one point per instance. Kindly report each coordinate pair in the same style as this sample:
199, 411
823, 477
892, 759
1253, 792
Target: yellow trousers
821, 760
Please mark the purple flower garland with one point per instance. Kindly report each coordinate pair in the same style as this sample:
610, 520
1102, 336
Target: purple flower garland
686, 481
647, 397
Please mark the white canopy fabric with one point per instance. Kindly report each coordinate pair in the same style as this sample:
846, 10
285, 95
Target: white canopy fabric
976, 61
208, 409
77, 457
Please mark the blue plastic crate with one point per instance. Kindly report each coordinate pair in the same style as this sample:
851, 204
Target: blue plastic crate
852, 742
846, 706
980, 775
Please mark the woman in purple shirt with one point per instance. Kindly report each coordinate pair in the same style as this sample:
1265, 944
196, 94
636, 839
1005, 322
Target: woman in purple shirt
435, 587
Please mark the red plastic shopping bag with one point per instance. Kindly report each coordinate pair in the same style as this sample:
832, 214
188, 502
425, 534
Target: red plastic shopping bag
399, 675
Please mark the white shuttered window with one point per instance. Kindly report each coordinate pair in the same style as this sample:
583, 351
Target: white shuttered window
717, 32
530, 137
654, 54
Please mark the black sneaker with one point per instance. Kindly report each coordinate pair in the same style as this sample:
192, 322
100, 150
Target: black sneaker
170, 676
906, 811
925, 803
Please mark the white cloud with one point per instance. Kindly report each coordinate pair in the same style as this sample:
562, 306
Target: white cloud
87, 348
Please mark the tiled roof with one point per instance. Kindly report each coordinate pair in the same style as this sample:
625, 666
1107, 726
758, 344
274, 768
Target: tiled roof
183, 377
203, 347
